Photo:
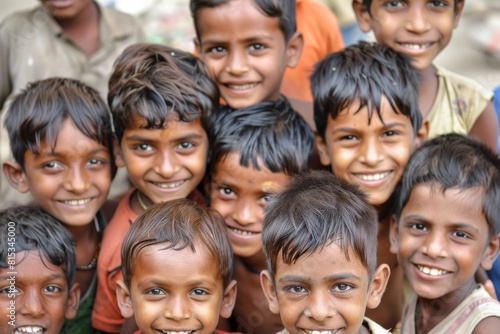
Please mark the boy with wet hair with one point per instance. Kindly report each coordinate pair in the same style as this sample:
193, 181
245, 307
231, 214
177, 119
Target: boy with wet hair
177, 270
60, 136
448, 226
161, 100
37, 273
254, 153
320, 241
421, 29
368, 122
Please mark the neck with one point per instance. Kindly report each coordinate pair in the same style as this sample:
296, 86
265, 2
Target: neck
254, 264
83, 234
80, 21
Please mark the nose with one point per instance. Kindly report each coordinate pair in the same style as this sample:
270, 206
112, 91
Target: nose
177, 308
77, 180
237, 63
320, 308
418, 20
166, 164
247, 213
434, 245
31, 304
372, 152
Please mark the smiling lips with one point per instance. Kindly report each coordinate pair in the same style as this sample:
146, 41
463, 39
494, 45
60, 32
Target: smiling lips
169, 185
242, 232
74, 202
29, 329
330, 331
241, 87
432, 271
177, 332
373, 177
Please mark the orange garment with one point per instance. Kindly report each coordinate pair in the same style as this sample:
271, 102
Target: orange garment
321, 33
106, 315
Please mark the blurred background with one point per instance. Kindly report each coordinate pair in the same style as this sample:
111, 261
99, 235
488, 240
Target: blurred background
474, 50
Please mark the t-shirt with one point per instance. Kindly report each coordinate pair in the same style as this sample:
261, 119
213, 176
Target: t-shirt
106, 315
322, 36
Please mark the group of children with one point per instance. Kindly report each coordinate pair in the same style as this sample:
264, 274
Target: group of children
389, 229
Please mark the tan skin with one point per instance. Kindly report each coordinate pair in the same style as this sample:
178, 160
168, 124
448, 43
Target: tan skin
83, 29
251, 311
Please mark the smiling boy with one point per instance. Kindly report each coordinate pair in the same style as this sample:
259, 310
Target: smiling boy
447, 227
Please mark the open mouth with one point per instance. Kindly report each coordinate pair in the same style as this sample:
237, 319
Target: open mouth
373, 177
169, 185
242, 232
177, 332
330, 331
75, 202
29, 329
416, 46
242, 87
432, 271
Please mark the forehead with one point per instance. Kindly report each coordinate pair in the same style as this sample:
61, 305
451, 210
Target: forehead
324, 264
32, 268
236, 20
229, 170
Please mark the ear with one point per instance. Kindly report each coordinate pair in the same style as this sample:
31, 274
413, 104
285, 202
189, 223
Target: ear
458, 12
491, 252
197, 46
378, 285
268, 287
124, 299
73, 302
294, 49
393, 235
422, 133
119, 161
324, 156
228, 300
362, 15
16, 176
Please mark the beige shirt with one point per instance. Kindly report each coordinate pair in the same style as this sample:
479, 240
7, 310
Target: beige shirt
34, 47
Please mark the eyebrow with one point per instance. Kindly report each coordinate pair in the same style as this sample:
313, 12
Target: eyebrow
56, 154
336, 277
454, 225
245, 40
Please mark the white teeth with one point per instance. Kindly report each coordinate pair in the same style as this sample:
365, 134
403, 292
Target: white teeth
169, 185
242, 87
321, 332
77, 202
416, 46
372, 177
176, 332
241, 232
432, 271
29, 329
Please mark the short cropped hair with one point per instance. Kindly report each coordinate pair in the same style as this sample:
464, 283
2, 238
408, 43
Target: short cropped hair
315, 210
456, 161
270, 130
179, 224
284, 10
155, 82
37, 113
34, 229
363, 73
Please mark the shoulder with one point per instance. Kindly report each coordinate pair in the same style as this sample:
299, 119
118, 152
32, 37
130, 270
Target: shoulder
17, 21
463, 85
488, 325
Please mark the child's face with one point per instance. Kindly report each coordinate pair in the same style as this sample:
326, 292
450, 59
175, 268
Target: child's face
372, 156
417, 28
245, 51
441, 240
39, 298
240, 194
176, 291
65, 10
164, 164
72, 181
323, 291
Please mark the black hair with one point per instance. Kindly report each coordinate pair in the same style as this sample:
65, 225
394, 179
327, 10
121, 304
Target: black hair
38, 112
284, 10
315, 210
364, 73
456, 161
270, 130
33, 229
179, 224
155, 82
